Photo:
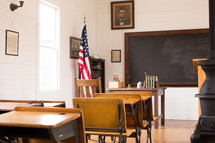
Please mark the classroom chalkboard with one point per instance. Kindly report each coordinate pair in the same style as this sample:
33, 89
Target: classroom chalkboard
167, 54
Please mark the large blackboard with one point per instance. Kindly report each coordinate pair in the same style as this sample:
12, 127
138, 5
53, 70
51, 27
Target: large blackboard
167, 54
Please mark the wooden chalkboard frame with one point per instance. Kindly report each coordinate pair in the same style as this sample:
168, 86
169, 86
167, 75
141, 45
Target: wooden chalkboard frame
140, 34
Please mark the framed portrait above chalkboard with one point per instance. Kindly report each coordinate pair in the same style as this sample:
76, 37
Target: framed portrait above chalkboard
74, 47
12, 43
122, 15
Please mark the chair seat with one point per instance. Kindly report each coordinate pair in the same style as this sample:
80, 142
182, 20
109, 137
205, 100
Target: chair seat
155, 118
129, 132
145, 124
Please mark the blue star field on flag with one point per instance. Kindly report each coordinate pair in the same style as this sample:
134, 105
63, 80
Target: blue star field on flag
84, 42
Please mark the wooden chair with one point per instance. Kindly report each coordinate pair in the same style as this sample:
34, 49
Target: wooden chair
131, 116
147, 112
104, 117
94, 83
80, 121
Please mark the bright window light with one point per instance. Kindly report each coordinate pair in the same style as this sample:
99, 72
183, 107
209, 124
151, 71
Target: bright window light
49, 47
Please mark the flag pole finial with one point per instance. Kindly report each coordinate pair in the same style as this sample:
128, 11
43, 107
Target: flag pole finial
84, 19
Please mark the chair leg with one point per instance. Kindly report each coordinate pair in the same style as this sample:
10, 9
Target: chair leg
124, 139
89, 137
4, 140
114, 139
86, 138
139, 136
99, 139
149, 133
120, 139
103, 139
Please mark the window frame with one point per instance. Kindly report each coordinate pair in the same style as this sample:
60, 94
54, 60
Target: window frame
56, 47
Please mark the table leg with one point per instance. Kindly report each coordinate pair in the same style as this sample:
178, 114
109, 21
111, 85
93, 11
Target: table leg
163, 108
156, 122
133, 112
146, 108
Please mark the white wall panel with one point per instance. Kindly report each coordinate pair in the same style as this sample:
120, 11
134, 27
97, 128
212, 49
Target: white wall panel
19, 74
153, 15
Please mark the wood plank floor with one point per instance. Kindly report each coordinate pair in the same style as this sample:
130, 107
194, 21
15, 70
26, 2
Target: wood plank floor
174, 131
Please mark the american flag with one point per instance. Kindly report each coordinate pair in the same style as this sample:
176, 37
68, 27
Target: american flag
84, 59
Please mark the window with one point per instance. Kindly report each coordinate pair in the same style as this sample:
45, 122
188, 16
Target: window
49, 47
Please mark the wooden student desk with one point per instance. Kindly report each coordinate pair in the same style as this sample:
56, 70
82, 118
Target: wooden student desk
55, 125
9, 105
133, 107
156, 93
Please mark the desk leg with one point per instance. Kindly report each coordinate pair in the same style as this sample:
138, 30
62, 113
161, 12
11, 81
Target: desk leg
156, 122
146, 108
134, 111
163, 109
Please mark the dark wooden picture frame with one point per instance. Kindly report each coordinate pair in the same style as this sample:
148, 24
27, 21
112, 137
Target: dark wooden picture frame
74, 47
122, 15
12, 43
115, 56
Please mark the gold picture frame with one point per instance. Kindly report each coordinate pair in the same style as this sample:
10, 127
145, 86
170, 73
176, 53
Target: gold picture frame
122, 15
12, 43
115, 56
74, 47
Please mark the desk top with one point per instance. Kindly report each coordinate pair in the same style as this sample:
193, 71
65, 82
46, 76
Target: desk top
131, 101
144, 98
10, 106
36, 119
134, 89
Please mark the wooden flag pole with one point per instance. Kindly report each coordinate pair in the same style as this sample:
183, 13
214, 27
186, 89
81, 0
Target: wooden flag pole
84, 19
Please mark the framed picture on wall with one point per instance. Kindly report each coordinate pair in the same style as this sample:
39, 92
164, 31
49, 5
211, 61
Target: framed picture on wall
122, 15
12, 43
115, 56
74, 47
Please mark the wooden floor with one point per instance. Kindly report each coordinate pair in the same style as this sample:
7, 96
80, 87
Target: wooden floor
174, 131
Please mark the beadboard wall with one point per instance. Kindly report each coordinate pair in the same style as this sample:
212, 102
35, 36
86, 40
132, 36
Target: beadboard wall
18, 74
153, 15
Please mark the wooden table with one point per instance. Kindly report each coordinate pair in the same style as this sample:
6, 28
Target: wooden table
9, 105
156, 93
56, 126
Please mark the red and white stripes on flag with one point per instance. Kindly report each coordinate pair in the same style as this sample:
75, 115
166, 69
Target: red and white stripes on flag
84, 59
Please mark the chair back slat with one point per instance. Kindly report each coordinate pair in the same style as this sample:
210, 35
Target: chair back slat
87, 88
94, 89
102, 114
81, 91
95, 84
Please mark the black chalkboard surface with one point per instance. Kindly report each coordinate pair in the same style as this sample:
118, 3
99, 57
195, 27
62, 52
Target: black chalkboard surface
167, 54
